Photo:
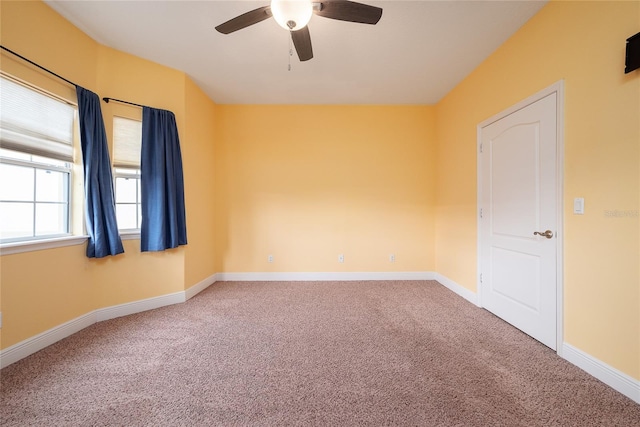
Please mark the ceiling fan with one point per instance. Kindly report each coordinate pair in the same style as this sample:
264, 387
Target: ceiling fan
294, 15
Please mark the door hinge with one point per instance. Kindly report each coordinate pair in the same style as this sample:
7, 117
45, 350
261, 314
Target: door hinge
480, 277
480, 213
481, 147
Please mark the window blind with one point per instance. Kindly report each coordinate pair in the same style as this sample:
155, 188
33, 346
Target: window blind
35, 123
127, 141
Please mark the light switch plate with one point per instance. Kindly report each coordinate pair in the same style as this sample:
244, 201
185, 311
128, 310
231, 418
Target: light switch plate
578, 206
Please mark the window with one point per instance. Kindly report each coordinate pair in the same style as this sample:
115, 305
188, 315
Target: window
127, 139
36, 163
127, 189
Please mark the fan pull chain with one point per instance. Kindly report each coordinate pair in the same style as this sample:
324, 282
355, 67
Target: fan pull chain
290, 53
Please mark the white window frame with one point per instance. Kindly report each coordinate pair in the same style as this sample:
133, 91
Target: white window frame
127, 168
129, 173
35, 166
75, 234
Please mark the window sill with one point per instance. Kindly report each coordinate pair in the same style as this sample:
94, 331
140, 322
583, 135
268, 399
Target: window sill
38, 245
130, 235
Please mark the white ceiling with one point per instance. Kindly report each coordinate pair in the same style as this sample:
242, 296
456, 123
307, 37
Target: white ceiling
416, 54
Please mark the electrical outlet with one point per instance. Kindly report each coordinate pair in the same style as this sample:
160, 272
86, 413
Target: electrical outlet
392, 258
270, 258
341, 258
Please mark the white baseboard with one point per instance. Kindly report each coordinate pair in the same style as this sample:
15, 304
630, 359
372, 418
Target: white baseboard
200, 286
465, 293
312, 277
128, 308
615, 379
36, 343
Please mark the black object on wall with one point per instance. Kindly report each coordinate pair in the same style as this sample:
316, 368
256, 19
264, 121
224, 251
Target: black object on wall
632, 60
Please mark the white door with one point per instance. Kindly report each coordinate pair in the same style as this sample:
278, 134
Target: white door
518, 225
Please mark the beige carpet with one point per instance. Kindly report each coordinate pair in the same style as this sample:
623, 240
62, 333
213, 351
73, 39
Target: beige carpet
310, 354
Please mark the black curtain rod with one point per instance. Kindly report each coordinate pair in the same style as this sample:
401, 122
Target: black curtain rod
62, 78
38, 65
123, 102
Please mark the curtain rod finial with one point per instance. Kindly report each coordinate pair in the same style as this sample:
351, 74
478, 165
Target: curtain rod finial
121, 101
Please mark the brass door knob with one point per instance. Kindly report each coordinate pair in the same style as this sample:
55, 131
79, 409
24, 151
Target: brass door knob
548, 234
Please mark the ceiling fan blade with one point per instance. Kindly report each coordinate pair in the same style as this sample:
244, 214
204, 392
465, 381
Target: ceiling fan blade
245, 20
349, 11
302, 42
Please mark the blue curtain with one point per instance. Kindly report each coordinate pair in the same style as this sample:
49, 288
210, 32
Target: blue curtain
163, 212
100, 211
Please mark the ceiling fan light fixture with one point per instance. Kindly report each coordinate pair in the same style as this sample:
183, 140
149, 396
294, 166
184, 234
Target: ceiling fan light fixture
292, 15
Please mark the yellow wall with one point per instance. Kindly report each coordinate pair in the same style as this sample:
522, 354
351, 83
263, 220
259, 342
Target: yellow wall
198, 154
37, 290
31, 27
307, 183
42, 289
136, 275
582, 43
39, 293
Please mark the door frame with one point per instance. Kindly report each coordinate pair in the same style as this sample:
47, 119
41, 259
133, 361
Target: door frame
558, 89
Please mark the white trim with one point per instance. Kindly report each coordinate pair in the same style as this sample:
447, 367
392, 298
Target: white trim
200, 286
139, 306
617, 380
612, 377
325, 277
129, 234
38, 245
478, 217
36, 343
558, 89
454, 287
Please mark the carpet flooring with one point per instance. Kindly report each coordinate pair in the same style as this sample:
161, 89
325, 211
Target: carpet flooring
387, 353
